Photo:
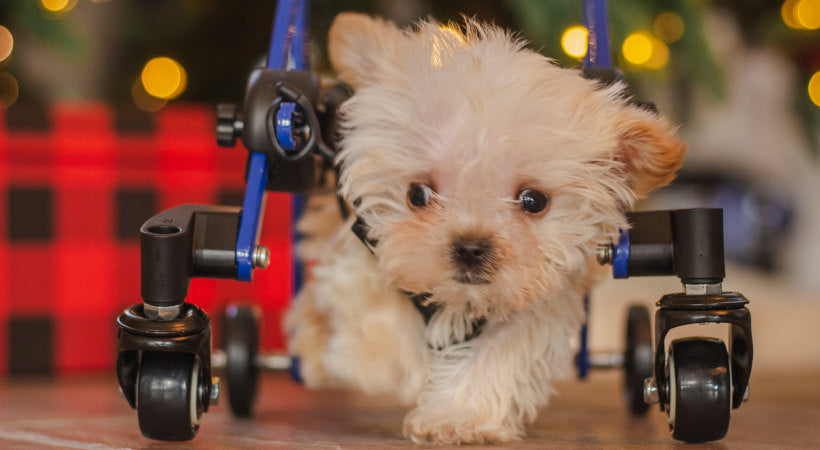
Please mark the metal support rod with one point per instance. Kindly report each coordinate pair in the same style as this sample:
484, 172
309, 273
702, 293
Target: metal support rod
595, 18
252, 208
287, 50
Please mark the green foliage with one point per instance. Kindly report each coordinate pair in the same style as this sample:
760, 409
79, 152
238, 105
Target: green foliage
217, 41
27, 17
690, 58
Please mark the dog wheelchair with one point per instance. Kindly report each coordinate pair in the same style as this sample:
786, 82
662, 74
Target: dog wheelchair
165, 360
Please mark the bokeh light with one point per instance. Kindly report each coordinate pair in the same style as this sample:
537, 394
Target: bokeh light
145, 101
6, 43
8, 90
659, 57
814, 88
787, 14
801, 14
164, 78
57, 6
637, 48
807, 14
668, 27
574, 41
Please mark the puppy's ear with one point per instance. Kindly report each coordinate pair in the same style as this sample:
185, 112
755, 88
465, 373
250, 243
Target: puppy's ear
649, 149
361, 47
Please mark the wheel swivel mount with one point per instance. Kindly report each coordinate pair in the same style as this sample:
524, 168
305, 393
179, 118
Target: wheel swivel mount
701, 379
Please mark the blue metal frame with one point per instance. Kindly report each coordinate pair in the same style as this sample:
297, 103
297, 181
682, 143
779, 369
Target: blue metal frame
620, 256
249, 223
288, 50
598, 55
284, 117
595, 19
582, 358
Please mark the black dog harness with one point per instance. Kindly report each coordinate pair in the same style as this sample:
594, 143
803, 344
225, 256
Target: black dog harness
426, 309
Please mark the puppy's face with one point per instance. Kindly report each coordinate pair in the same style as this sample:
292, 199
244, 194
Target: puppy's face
487, 175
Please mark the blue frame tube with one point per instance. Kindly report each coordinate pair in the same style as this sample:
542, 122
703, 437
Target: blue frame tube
595, 19
598, 55
252, 208
288, 38
302, 49
288, 50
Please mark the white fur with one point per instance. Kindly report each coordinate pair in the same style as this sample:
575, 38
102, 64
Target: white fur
478, 118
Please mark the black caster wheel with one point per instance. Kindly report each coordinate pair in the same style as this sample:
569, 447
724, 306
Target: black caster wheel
638, 364
240, 341
168, 396
700, 395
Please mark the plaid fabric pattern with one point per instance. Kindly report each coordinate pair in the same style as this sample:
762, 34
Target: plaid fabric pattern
77, 181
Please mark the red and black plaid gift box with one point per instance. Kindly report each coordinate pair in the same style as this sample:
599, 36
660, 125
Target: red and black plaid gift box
78, 180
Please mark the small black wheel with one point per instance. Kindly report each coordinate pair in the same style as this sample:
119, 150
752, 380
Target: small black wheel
240, 341
700, 393
638, 364
168, 396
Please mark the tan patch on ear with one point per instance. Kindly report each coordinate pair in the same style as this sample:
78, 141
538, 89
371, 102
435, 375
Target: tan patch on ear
359, 46
650, 149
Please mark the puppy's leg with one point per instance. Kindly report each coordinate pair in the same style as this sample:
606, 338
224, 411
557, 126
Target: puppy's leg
308, 330
376, 343
351, 329
307, 321
487, 389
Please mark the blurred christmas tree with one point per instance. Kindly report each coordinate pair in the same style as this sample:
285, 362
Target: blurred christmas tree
656, 43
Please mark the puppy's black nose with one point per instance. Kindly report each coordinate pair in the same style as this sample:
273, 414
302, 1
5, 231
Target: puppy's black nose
472, 253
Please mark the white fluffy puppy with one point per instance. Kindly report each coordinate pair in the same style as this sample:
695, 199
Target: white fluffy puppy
483, 177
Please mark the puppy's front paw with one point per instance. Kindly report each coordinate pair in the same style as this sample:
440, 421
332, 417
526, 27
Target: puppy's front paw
451, 429
309, 332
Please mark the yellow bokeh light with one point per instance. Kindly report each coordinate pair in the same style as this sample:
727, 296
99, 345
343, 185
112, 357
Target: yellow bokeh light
164, 78
6, 43
659, 57
8, 90
57, 6
637, 48
144, 100
787, 13
814, 88
668, 27
807, 14
574, 41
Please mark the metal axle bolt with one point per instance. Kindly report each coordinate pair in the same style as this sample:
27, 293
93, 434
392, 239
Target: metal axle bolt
161, 312
261, 257
650, 391
703, 289
604, 254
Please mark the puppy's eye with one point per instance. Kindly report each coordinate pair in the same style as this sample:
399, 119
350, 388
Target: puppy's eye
419, 194
533, 201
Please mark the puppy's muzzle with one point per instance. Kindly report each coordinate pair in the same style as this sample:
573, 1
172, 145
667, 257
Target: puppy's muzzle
473, 258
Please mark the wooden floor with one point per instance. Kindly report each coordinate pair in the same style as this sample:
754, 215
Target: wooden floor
87, 412
783, 412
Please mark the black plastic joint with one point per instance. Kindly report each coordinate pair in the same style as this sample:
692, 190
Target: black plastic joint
183, 242
699, 245
262, 94
228, 125
651, 244
687, 243
214, 246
